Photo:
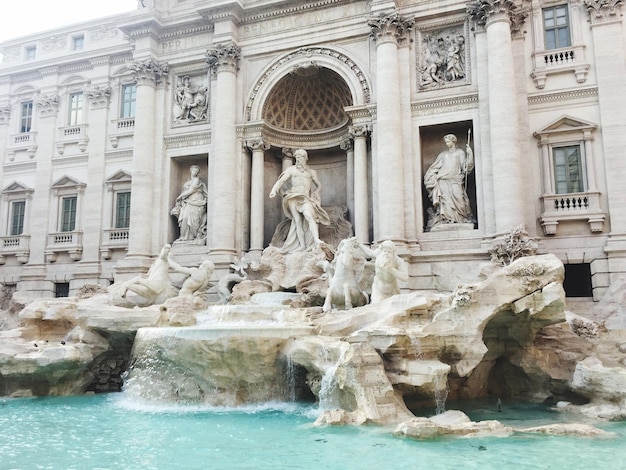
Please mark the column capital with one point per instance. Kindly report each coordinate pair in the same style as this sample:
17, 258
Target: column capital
148, 71
485, 12
224, 57
603, 11
361, 130
346, 145
257, 144
389, 27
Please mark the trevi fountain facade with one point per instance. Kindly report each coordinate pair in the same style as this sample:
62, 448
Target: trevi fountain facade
371, 204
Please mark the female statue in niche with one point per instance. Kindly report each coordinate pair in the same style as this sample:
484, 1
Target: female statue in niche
190, 208
446, 182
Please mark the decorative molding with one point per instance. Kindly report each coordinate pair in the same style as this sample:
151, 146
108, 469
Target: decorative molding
190, 101
98, 96
47, 105
103, 32
563, 95
444, 105
443, 57
603, 11
5, 113
195, 139
390, 27
54, 43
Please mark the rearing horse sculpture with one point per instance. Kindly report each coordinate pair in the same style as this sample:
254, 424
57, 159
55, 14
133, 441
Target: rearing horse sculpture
344, 277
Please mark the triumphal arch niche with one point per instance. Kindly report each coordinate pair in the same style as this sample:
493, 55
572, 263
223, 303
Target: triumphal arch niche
316, 99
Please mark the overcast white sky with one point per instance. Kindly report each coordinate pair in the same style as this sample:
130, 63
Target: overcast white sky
22, 17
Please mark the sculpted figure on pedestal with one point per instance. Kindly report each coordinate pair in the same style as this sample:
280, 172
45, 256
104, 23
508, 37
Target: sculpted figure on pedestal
190, 208
301, 204
446, 182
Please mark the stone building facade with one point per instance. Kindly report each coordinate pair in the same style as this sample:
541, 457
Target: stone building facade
101, 122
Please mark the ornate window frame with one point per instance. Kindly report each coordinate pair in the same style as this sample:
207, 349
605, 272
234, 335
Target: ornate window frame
563, 60
584, 205
16, 245
114, 238
58, 241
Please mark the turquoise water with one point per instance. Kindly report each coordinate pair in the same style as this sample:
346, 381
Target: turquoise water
112, 432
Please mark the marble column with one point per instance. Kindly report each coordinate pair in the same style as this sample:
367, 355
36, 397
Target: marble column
347, 146
361, 196
148, 75
497, 17
223, 60
387, 29
287, 158
257, 194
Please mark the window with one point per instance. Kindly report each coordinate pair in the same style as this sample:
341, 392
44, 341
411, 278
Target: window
18, 209
61, 289
68, 213
75, 109
129, 98
556, 27
122, 210
568, 177
78, 42
26, 117
577, 281
31, 52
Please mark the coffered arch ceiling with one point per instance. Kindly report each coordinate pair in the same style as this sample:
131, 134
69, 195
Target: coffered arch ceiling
308, 100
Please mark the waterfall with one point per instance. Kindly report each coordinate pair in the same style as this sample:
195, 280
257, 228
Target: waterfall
441, 394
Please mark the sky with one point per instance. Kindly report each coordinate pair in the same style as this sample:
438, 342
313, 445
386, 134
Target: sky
22, 17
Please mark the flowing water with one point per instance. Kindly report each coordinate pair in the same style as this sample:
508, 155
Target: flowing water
115, 432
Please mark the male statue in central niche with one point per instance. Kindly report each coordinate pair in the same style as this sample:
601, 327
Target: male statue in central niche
301, 204
446, 183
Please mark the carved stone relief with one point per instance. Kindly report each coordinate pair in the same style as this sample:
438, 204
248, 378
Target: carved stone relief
191, 100
98, 96
443, 57
47, 105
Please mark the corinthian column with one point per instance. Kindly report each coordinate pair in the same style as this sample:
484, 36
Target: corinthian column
361, 210
387, 29
497, 17
224, 60
148, 75
257, 194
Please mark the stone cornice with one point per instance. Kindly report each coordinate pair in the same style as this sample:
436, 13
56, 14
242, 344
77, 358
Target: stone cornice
187, 140
563, 95
443, 105
242, 14
603, 11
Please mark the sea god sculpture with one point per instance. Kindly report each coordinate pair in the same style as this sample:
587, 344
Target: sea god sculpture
301, 204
